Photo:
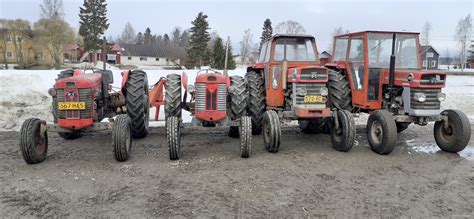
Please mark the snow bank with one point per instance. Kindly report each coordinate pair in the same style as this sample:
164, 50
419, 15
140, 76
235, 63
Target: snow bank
24, 94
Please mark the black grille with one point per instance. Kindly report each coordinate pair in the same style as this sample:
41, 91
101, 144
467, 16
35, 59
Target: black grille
313, 74
432, 79
311, 89
85, 95
431, 102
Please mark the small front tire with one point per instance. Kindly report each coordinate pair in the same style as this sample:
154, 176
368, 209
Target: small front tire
342, 139
456, 137
271, 131
381, 132
33, 141
173, 136
122, 137
245, 136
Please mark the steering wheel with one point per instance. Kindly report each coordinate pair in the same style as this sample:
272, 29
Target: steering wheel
207, 71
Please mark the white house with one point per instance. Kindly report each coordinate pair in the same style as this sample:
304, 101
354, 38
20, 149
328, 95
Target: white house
149, 55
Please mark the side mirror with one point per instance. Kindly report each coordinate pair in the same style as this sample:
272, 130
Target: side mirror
284, 75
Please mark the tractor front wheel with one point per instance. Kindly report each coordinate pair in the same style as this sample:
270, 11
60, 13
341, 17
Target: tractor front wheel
245, 136
343, 137
122, 137
33, 141
381, 132
271, 131
138, 107
173, 132
456, 135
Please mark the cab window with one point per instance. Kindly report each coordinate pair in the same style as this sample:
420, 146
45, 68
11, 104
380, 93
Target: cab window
341, 49
356, 62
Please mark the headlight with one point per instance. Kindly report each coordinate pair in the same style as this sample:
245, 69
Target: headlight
441, 97
420, 97
301, 91
191, 88
324, 91
52, 92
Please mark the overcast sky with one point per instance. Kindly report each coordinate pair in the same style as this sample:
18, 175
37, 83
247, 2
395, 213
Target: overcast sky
232, 18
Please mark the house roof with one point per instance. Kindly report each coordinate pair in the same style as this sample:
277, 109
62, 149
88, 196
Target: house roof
151, 50
426, 48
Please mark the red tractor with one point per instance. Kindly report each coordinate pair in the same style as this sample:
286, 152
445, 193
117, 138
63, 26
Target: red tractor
81, 101
214, 100
289, 83
381, 73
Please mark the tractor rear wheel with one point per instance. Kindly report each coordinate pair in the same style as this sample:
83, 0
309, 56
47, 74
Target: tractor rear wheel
381, 132
173, 136
70, 135
245, 136
238, 98
138, 108
316, 126
122, 137
456, 136
173, 96
256, 102
33, 141
343, 138
401, 126
339, 96
271, 131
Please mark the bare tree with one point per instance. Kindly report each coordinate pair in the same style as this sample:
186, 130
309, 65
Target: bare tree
290, 27
246, 45
335, 32
52, 9
128, 35
176, 34
53, 34
426, 33
462, 35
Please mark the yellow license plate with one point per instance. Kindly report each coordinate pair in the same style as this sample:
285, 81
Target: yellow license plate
71, 105
313, 99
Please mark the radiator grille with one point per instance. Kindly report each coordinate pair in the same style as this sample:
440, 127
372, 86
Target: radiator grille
313, 74
311, 89
85, 95
206, 101
431, 103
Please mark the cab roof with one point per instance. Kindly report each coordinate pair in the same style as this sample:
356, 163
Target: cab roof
276, 36
376, 31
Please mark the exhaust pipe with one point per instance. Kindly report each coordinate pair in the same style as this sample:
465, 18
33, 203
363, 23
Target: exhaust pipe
391, 71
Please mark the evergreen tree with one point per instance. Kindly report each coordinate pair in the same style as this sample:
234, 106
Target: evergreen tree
93, 23
218, 55
147, 37
267, 32
166, 40
140, 39
197, 51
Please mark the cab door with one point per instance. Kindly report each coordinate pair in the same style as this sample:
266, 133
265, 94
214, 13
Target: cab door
357, 70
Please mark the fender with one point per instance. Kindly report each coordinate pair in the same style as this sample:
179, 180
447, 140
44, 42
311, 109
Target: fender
124, 79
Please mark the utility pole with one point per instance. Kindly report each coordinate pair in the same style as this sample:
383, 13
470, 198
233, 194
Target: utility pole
226, 55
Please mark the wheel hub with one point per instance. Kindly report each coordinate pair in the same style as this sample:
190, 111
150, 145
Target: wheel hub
376, 132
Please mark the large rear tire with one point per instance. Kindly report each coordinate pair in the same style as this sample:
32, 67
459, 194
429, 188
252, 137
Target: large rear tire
122, 137
316, 126
245, 136
339, 96
238, 98
271, 131
256, 102
343, 138
138, 108
33, 141
456, 137
173, 137
173, 96
381, 132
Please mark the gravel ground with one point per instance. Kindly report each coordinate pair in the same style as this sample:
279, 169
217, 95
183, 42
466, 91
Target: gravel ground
307, 177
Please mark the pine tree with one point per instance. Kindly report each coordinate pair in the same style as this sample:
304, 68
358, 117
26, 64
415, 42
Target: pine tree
198, 41
267, 32
93, 23
147, 36
140, 39
218, 55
